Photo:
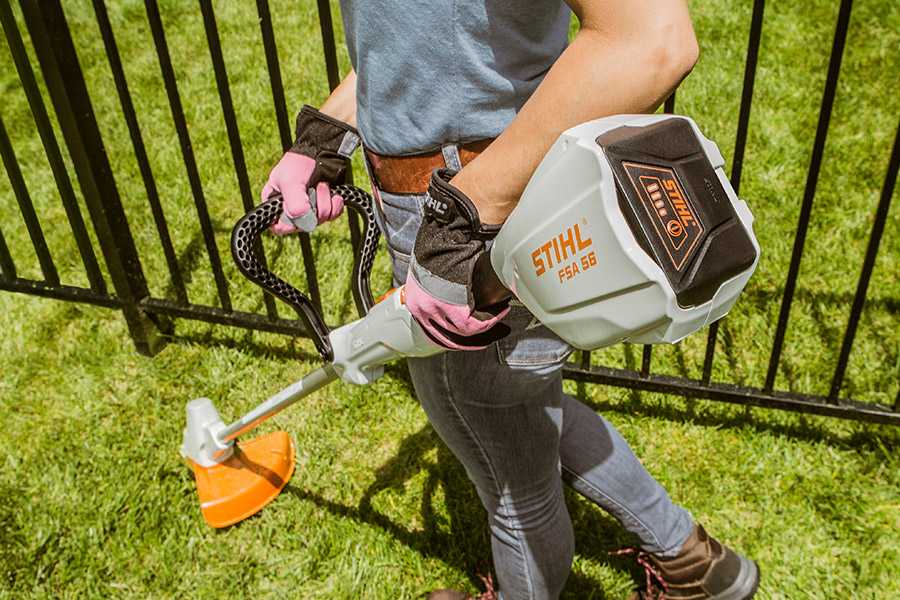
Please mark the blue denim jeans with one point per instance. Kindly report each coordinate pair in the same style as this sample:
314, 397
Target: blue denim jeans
503, 414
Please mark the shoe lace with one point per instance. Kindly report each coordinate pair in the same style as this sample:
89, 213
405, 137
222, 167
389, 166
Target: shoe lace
490, 593
655, 586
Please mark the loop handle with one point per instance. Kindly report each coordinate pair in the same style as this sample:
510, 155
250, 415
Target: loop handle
248, 229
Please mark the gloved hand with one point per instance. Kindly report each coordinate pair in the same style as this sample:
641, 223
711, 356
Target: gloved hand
439, 281
318, 159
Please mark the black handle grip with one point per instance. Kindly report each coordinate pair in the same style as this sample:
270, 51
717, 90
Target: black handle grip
362, 203
250, 226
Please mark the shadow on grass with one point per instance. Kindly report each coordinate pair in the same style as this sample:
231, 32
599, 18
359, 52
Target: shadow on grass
877, 440
762, 298
289, 350
460, 537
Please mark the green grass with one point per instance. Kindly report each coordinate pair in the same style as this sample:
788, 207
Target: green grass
95, 502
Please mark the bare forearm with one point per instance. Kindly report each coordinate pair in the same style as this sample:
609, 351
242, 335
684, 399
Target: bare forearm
341, 104
600, 73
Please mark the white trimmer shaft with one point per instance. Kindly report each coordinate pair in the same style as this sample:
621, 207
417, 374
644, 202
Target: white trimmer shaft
208, 441
361, 349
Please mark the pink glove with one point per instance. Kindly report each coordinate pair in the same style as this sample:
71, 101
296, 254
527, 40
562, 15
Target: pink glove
450, 324
290, 177
442, 271
318, 160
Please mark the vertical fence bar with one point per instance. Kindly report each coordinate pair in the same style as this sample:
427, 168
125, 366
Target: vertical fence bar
859, 300
329, 48
65, 83
740, 140
328, 45
27, 209
51, 148
740, 144
7, 266
271, 50
284, 129
669, 106
815, 164
709, 355
187, 152
140, 151
231, 127
646, 357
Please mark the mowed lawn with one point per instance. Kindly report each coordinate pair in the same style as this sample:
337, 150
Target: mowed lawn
96, 502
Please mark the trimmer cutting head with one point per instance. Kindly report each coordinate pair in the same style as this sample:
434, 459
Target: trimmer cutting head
233, 481
247, 481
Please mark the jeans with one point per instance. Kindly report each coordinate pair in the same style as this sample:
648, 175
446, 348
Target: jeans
503, 414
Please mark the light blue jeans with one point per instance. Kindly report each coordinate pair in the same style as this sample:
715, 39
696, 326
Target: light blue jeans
503, 414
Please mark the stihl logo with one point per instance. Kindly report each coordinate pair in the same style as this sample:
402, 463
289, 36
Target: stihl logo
674, 219
438, 207
561, 252
681, 207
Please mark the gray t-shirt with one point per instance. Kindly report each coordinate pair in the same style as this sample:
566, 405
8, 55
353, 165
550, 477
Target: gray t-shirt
432, 72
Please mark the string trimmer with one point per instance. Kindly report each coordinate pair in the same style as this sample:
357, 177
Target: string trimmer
627, 231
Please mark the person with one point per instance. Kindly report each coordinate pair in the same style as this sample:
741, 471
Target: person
455, 104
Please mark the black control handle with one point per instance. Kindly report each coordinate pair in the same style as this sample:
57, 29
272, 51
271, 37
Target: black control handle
248, 229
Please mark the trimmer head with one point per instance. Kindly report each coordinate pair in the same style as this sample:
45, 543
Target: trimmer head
245, 482
233, 481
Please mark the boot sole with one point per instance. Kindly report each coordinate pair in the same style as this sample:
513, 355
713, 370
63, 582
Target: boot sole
744, 586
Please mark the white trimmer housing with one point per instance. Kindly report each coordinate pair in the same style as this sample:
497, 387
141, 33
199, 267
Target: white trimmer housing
201, 440
628, 231
387, 332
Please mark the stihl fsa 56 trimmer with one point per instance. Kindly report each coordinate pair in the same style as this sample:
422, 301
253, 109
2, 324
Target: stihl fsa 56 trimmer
628, 231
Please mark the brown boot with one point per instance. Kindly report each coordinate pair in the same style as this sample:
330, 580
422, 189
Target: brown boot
489, 594
704, 569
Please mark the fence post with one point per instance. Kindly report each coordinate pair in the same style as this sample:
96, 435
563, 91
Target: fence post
62, 73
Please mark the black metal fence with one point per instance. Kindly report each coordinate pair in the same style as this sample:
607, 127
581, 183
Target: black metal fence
148, 316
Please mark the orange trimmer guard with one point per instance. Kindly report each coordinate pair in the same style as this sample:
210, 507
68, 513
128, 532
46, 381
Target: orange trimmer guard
251, 478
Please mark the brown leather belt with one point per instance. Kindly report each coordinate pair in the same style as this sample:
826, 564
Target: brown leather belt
410, 174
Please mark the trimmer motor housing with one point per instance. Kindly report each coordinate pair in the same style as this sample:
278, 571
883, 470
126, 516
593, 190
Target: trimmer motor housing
628, 231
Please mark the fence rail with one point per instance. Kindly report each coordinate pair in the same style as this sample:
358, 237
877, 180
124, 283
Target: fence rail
148, 316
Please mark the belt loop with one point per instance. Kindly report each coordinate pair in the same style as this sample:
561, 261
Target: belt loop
370, 171
451, 157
